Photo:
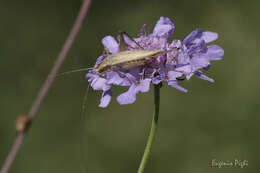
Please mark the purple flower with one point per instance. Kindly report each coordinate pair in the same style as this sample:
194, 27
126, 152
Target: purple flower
186, 59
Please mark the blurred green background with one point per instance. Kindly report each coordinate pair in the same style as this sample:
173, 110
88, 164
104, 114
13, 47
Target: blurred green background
212, 121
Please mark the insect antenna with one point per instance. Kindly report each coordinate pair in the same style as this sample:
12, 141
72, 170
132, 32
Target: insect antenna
73, 71
84, 129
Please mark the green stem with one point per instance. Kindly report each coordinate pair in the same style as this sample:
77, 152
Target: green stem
153, 128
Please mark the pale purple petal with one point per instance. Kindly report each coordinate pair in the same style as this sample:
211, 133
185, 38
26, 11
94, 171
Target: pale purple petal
115, 79
192, 36
144, 85
156, 80
172, 56
214, 52
164, 28
185, 70
158, 76
188, 76
99, 83
128, 41
129, 97
105, 99
182, 57
110, 43
164, 21
200, 75
174, 84
101, 58
90, 76
198, 62
175, 44
208, 36
196, 46
206, 68
172, 75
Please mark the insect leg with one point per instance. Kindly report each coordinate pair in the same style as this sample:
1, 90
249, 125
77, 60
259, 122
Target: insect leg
131, 38
106, 51
122, 43
115, 69
143, 68
101, 75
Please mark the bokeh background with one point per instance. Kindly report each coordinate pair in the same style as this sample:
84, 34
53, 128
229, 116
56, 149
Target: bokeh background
212, 121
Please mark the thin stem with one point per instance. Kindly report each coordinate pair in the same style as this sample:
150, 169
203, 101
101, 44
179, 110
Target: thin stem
153, 128
47, 84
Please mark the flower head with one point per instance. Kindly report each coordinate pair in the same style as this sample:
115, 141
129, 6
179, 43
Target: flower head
182, 60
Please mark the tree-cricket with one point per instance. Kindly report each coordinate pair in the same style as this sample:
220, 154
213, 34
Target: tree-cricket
127, 59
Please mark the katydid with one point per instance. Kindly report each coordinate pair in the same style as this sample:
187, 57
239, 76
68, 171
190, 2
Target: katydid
128, 59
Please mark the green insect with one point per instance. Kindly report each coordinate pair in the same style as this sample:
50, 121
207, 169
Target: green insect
128, 59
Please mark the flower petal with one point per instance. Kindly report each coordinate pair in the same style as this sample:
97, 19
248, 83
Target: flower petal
175, 44
156, 80
196, 34
200, 75
110, 43
198, 62
174, 84
214, 52
208, 36
99, 83
115, 79
101, 58
144, 85
129, 97
164, 28
172, 75
128, 41
105, 99
186, 70
183, 56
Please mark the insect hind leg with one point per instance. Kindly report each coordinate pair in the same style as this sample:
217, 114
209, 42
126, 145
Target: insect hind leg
106, 51
115, 69
122, 45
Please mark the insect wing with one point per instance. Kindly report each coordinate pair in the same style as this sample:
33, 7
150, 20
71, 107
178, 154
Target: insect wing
129, 56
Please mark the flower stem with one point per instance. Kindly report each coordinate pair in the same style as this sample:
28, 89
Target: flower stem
153, 128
